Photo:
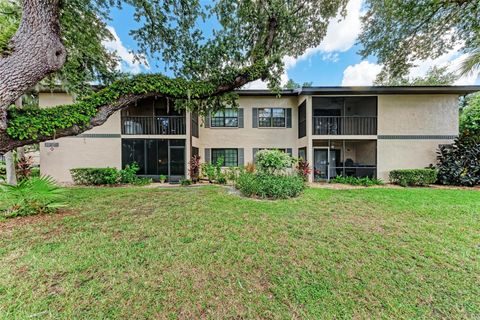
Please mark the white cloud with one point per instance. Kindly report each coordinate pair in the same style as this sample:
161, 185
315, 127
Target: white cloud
364, 73
128, 63
341, 36
342, 33
360, 74
259, 84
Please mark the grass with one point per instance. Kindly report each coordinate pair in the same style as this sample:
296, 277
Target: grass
136, 253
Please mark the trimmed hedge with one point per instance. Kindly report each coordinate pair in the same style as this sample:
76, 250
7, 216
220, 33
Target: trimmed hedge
267, 186
108, 176
95, 176
354, 181
413, 177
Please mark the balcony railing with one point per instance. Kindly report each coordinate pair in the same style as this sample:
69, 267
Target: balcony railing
161, 125
345, 125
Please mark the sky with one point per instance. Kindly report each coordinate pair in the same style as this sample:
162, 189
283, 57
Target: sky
335, 62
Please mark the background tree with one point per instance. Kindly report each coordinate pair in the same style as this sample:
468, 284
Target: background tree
470, 116
291, 84
435, 76
402, 32
248, 44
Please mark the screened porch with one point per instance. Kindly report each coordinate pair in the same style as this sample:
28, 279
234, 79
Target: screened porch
357, 158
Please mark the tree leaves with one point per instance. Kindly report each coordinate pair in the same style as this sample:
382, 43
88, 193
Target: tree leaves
400, 33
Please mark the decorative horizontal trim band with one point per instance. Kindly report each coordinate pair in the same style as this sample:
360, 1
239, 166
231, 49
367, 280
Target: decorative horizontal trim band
415, 137
99, 135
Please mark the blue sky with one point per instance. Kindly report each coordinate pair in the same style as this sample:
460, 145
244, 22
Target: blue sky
335, 62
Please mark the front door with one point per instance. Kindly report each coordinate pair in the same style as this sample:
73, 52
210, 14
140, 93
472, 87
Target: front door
321, 164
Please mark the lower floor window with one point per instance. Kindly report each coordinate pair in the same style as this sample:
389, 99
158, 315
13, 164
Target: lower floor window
230, 157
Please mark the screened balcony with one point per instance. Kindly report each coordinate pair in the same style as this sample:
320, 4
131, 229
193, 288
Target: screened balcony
344, 116
154, 116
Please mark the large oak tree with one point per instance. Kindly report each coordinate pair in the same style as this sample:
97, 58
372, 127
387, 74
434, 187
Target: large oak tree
247, 43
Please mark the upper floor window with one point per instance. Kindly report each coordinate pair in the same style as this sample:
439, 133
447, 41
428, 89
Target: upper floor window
271, 118
225, 118
230, 157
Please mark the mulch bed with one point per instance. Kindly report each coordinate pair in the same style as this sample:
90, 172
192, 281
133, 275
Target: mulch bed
11, 223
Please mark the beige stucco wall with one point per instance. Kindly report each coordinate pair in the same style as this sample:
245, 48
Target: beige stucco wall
249, 137
51, 99
397, 115
418, 115
79, 152
75, 152
405, 154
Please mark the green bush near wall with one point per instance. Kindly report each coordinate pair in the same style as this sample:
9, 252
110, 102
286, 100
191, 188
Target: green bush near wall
95, 176
268, 186
413, 177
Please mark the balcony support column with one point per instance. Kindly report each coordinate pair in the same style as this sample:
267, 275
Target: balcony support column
309, 124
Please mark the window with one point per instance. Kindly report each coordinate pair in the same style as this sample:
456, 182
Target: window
302, 153
225, 118
271, 118
230, 156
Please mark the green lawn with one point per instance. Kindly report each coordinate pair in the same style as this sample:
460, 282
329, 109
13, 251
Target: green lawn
137, 253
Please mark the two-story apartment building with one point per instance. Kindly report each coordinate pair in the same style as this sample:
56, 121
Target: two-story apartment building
359, 131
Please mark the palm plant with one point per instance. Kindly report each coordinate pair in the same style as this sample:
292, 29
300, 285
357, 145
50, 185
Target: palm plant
37, 195
471, 63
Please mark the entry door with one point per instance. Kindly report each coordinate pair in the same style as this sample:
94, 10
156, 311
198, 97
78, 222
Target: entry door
321, 163
177, 163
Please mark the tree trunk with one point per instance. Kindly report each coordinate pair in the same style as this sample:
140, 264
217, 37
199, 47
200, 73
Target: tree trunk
10, 167
37, 51
11, 175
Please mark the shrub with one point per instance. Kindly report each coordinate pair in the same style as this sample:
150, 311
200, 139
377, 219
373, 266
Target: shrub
303, 169
35, 172
263, 185
129, 174
95, 176
232, 173
250, 167
24, 167
413, 177
272, 161
194, 167
365, 181
222, 179
141, 181
3, 170
108, 176
208, 171
459, 164
31, 196
185, 182
213, 172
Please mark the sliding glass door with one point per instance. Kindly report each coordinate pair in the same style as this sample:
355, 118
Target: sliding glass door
156, 156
